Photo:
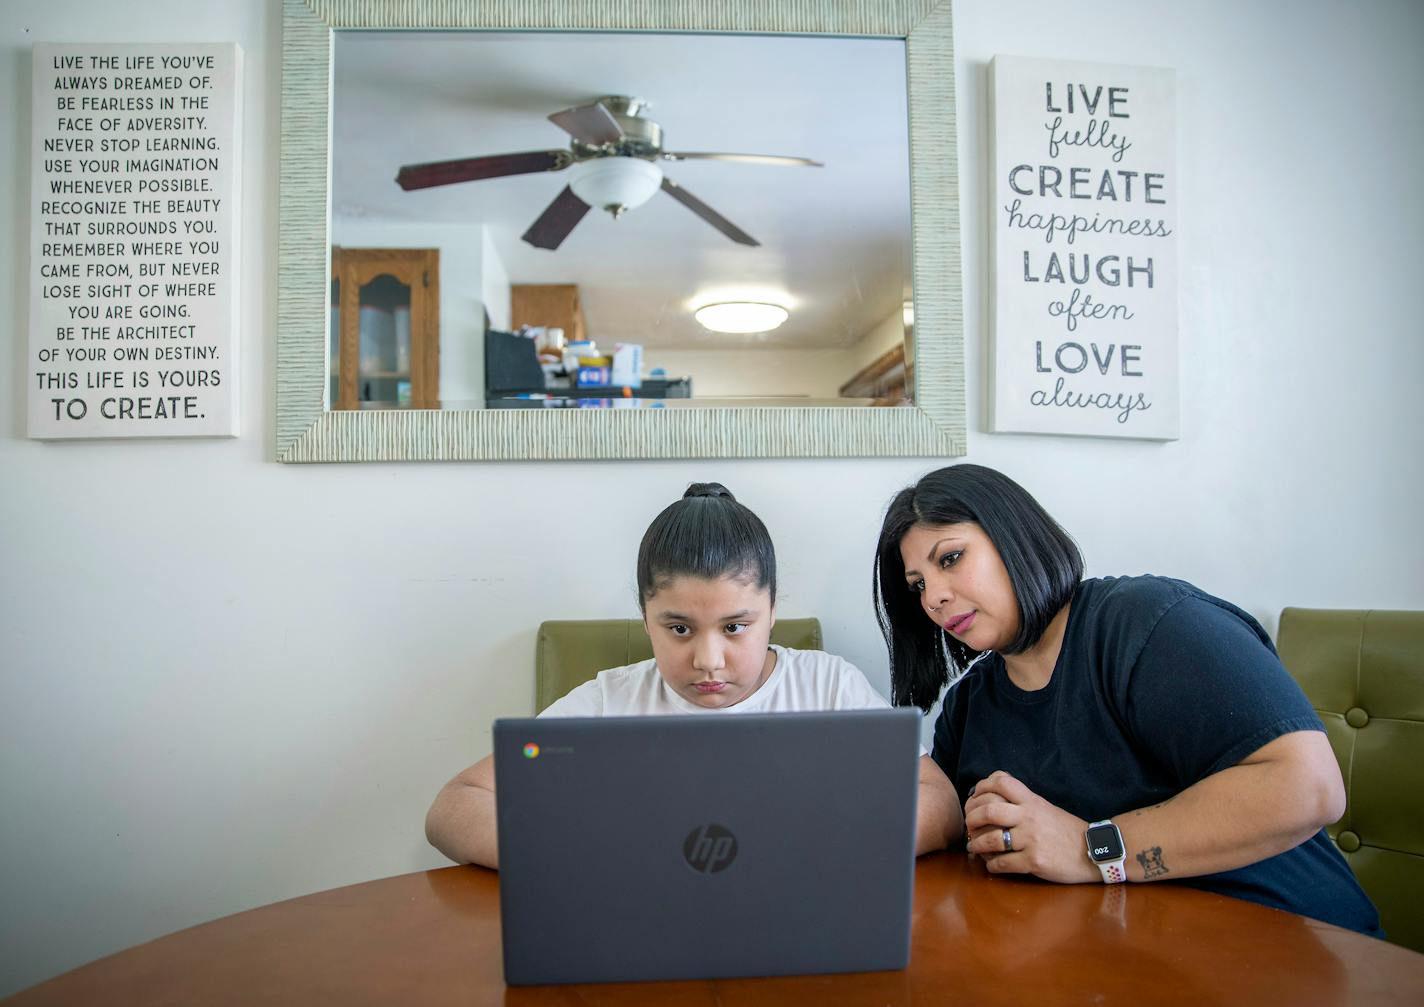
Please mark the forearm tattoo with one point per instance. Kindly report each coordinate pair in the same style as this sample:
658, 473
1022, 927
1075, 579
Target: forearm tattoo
1162, 804
1152, 864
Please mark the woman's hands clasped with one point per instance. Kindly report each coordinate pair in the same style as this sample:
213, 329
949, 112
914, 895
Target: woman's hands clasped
1042, 840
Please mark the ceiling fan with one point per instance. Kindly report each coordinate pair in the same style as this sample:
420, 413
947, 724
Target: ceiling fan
612, 152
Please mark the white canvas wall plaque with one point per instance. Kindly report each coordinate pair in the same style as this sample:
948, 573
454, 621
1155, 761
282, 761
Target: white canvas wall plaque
133, 240
1084, 324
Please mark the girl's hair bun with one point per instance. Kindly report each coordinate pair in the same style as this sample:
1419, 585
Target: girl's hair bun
708, 490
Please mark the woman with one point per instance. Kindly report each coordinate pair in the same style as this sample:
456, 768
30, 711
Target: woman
1118, 728
706, 574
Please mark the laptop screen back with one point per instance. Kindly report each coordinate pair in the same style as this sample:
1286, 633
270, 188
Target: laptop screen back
702, 847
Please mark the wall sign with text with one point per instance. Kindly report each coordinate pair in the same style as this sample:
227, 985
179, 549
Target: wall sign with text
133, 240
1084, 249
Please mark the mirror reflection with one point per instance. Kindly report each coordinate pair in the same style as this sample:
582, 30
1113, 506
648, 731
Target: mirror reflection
564, 220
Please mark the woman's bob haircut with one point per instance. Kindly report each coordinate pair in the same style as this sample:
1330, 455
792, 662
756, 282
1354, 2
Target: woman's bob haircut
1043, 564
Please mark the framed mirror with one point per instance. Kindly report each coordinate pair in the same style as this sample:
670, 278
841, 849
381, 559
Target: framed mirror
348, 62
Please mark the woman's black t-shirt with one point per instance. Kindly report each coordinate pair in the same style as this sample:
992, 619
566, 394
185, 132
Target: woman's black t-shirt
1157, 686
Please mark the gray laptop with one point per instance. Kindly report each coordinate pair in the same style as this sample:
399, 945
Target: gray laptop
701, 847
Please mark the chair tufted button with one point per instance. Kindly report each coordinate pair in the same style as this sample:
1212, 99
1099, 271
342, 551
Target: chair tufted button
1348, 841
1356, 717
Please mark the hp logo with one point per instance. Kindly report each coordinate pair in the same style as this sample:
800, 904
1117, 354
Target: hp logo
709, 849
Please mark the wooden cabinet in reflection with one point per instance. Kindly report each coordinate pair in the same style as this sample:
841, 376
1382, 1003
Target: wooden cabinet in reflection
385, 328
548, 305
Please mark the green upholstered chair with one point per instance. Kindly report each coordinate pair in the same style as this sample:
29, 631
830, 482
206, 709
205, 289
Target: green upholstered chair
572, 651
1363, 671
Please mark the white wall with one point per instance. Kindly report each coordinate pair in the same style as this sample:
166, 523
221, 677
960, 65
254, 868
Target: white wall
225, 681
494, 287
883, 337
716, 374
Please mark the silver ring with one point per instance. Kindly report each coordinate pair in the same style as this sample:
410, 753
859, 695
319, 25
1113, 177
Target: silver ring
1008, 838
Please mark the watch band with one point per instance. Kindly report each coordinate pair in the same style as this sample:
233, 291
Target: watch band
1115, 872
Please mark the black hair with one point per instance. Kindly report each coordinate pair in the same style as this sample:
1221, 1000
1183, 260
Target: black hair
706, 534
1043, 563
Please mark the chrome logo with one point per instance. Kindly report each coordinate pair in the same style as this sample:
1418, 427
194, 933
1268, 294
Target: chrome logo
531, 751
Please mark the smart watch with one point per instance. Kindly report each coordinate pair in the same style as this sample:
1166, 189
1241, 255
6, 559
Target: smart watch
1105, 849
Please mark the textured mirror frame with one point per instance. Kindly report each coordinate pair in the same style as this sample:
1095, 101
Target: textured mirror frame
308, 432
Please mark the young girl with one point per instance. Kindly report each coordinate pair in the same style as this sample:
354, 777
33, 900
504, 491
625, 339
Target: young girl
707, 589
1121, 728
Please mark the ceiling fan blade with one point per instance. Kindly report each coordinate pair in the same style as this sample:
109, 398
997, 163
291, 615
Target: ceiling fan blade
775, 159
593, 124
708, 214
558, 219
469, 169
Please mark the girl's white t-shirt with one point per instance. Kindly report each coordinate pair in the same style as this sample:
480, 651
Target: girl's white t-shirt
802, 681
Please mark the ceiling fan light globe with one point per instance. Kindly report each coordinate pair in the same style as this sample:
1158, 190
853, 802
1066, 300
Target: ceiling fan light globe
607, 182
741, 316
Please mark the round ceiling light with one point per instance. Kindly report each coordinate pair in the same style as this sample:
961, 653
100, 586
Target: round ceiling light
741, 316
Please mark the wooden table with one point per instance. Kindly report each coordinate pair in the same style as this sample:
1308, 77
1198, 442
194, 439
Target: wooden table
433, 938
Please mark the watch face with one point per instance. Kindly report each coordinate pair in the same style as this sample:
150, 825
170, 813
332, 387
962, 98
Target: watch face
1104, 844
